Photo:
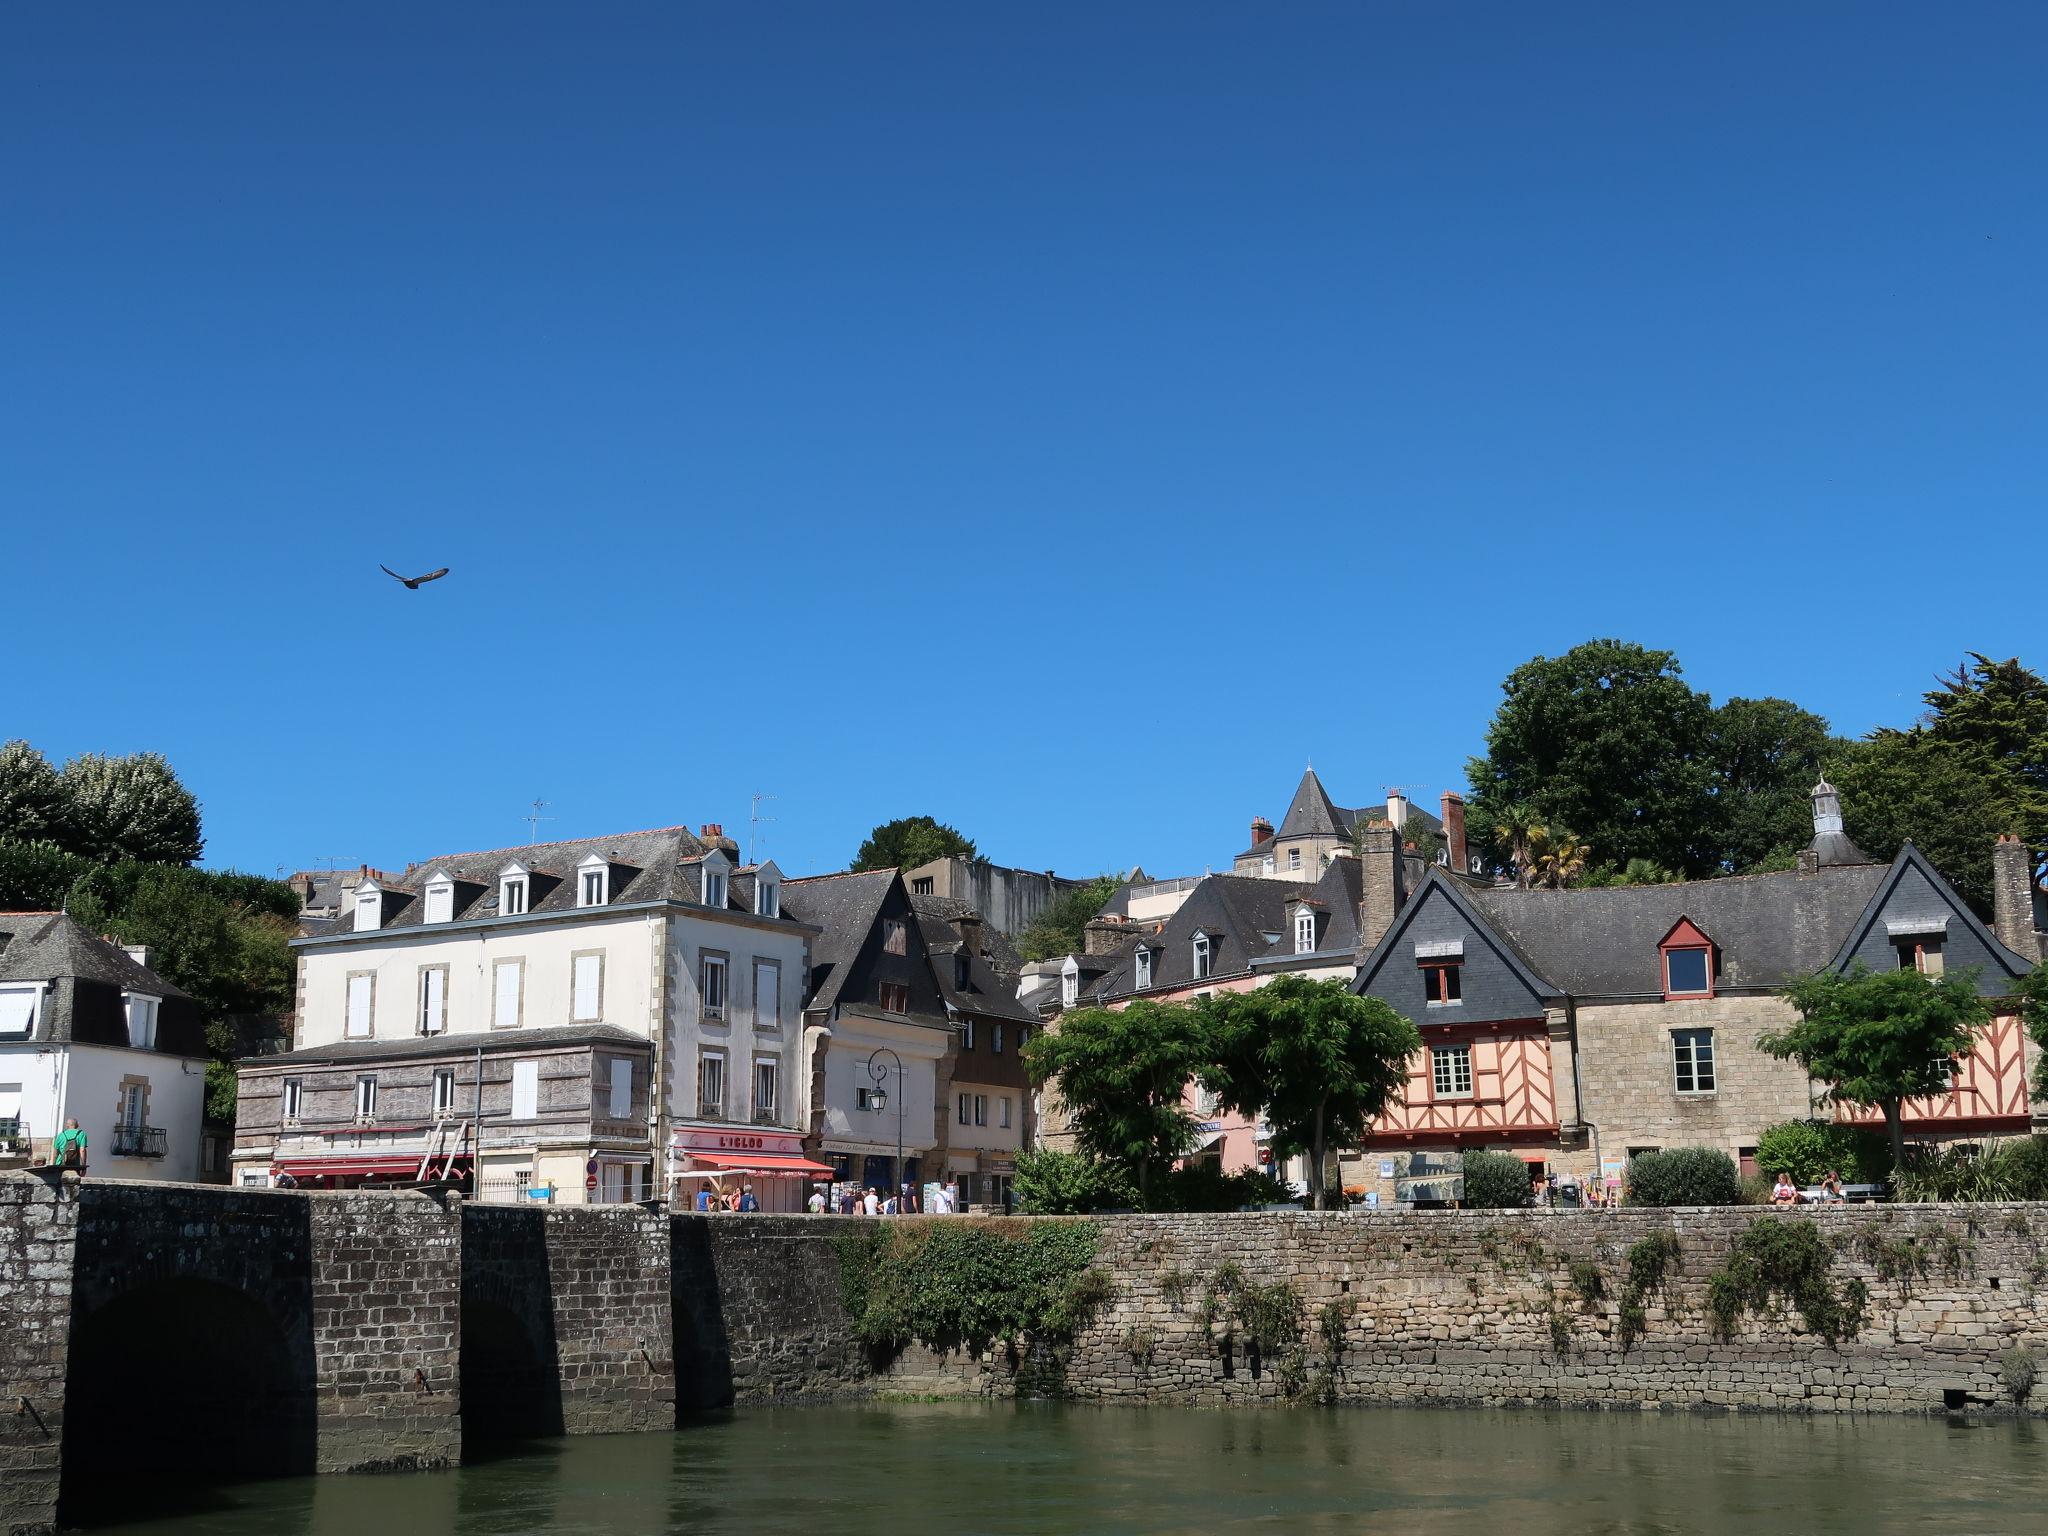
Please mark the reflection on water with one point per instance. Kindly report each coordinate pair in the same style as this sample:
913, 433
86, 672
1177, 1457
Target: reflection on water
897, 1469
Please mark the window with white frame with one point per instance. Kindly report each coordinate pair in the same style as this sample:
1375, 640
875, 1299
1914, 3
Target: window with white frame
767, 995
1070, 984
294, 1099
18, 1006
767, 898
369, 906
366, 1098
967, 1034
1144, 969
764, 1089
1004, 1103
964, 1108
433, 999
362, 999
981, 1109
512, 892
134, 1110
586, 986
711, 1083
526, 1090
1692, 1060
1201, 956
1304, 932
1294, 858
593, 882
440, 902
1949, 1072
711, 983
1450, 1068
620, 1105
508, 988
444, 1090
141, 1020
714, 887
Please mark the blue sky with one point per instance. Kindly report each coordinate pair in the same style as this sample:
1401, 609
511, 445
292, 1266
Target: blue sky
1060, 420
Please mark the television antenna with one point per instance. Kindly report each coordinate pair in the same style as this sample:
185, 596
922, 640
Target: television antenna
755, 821
533, 819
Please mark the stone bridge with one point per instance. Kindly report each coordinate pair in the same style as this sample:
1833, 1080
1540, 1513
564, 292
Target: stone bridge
185, 1334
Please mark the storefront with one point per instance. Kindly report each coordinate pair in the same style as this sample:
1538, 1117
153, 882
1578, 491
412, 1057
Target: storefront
731, 1160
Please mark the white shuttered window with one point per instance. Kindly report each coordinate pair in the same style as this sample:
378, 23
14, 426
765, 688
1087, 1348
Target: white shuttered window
587, 1004
505, 995
359, 991
525, 1090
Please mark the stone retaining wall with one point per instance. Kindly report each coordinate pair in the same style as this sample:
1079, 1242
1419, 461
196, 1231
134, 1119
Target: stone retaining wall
36, 1242
1454, 1307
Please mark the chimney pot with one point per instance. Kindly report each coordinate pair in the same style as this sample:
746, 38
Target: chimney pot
1262, 831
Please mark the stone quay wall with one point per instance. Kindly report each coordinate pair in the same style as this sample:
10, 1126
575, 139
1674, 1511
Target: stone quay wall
37, 1232
1447, 1307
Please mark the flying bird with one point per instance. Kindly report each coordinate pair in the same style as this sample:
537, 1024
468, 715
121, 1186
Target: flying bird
412, 583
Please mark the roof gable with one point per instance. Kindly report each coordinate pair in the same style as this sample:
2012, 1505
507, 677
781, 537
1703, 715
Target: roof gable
1497, 982
1311, 813
1685, 934
1912, 896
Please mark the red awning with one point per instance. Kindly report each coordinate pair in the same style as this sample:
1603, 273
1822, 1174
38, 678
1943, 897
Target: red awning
395, 1165
1533, 1157
759, 1162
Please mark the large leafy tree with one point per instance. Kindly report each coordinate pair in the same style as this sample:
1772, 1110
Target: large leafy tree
1123, 1077
1766, 755
130, 808
1995, 715
1609, 740
909, 841
32, 800
1880, 1037
2033, 1001
1910, 785
1319, 1061
1057, 930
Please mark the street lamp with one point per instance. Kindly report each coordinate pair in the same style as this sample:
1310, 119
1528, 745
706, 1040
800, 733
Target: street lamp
878, 1098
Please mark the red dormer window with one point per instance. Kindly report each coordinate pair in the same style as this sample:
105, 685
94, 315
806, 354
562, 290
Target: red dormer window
1687, 957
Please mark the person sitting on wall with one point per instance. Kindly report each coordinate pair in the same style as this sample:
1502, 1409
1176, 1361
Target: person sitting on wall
1831, 1191
1784, 1192
67, 1148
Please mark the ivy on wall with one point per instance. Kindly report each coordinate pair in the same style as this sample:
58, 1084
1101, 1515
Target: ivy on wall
969, 1282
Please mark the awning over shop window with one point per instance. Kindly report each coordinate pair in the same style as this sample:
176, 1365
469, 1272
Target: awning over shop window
788, 1164
392, 1165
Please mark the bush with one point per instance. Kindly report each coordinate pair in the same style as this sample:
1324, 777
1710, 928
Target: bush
974, 1281
1780, 1259
1204, 1186
2026, 1160
1808, 1149
1494, 1181
1684, 1176
1069, 1184
2001, 1170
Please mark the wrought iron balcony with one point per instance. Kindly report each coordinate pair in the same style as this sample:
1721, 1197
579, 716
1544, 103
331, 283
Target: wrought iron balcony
141, 1141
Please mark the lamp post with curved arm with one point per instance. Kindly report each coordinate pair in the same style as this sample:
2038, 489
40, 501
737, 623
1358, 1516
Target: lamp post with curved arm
879, 1097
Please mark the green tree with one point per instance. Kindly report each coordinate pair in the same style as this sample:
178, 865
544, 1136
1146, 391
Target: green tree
910, 841
36, 877
1517, 827
2033, 1000
1996, 714
1609, 740
1123, 1076
32, 798
1880, 1038
1051, 1183
1766, 755
129, 808
1057, 930
1319, 1061
1911, 786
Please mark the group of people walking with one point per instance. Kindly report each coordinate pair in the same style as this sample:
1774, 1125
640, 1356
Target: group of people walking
849, 1201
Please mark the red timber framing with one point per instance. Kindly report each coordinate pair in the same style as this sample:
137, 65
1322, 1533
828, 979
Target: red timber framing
1990, 1093
1512, 1097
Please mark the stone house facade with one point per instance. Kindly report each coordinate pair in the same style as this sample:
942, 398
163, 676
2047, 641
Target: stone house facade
1009, 900
669, 978
984, 1093
1576, 1028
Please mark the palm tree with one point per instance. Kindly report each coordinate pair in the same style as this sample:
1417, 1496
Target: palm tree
1516, 827
1560, 857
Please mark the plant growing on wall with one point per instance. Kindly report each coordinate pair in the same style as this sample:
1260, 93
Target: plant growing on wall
1881, 1037
1648, 1263
970, 1282
1319, 1061
1781, 1260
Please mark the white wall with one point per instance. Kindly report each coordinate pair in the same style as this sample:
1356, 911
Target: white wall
58, 1081
854, 1039
745, 1032
971, 1137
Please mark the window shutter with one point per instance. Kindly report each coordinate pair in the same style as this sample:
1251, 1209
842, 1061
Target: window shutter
622, 1089
767, 996
586, 1001
359, 1004
433, 1000
505, 1011
525, 1090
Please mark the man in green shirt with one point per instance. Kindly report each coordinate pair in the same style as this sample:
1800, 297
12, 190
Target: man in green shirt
67, 1150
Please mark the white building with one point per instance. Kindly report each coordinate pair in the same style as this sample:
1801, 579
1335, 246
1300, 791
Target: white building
88, 1031
660, 989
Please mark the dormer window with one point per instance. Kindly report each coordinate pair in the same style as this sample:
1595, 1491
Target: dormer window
1070, 981
1442, 963
513, 889
440, 900
963, 971
1688, 962
1305, 931
1918, 943
141, 1020
1144, 968
767, 898
714, 886
593, 882
369, 907
1202, 954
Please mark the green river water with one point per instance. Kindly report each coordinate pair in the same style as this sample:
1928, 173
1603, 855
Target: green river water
901, 1469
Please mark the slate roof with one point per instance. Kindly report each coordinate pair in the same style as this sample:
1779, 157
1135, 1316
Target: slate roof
1001, 954
987, 993
409, 1047
47, 946
844, 908
1235, 911
1603, 943
1312, 813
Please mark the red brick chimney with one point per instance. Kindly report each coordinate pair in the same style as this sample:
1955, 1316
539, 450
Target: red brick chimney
1454, 831
711, 831
1262, 831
